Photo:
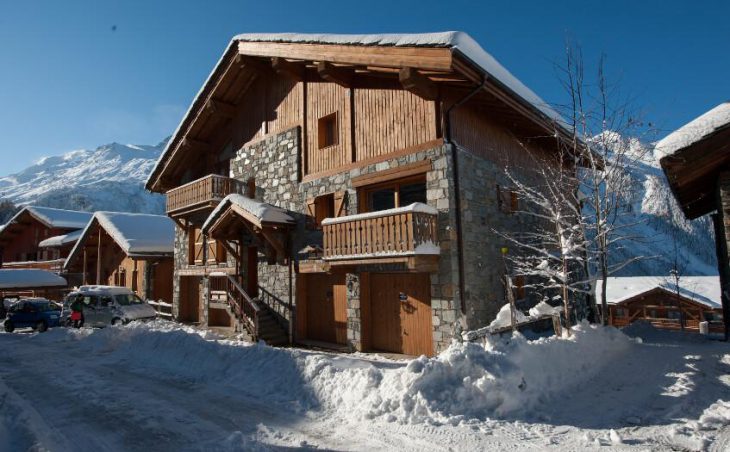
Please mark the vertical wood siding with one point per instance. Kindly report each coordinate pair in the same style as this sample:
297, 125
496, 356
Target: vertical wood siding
324, 98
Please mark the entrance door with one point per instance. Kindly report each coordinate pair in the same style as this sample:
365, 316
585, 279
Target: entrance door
189, 309
400, 306
326, 307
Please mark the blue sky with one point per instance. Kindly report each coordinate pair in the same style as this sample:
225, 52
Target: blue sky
77, 74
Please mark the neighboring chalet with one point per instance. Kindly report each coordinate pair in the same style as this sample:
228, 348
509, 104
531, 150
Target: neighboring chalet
696, 160
367, 173
40, 237
31, 282
658, 300
126, 249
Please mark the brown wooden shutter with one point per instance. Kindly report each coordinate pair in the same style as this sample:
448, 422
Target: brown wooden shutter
311, 213
198, 247
340, 197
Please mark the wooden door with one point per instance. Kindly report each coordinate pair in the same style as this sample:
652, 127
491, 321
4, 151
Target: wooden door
326, 307
400, 310
189, 309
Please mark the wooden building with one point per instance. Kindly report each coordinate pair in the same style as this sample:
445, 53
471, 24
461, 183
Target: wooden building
31, 282
387, 152
126, 249
657, 300
40, 237
696, 161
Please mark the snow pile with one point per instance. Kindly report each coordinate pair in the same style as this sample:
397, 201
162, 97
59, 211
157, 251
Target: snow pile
467, 381
695, 130
504, 318
715, 416
543, 309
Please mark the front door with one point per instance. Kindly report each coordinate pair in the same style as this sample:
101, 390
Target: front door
326, 307
400, 306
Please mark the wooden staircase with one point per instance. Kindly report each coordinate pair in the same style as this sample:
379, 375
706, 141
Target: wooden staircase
250, 316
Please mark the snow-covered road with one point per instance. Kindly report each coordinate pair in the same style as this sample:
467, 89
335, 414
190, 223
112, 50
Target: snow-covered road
165, 387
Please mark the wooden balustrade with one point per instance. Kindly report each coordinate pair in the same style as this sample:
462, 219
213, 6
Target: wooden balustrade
204, 192
243, 306
394, 232
53, 266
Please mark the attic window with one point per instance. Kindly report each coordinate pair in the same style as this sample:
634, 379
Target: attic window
328, 131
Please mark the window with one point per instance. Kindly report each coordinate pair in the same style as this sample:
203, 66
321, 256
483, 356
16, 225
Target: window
675, 315
620, 312
328, 131
507, 200
325, 206
393, 194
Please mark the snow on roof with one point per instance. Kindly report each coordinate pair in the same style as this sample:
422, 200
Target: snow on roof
55, 218
457, 40
702, 289
263, 212
452, 39
139, 233
29, 278
695, 130
60, 240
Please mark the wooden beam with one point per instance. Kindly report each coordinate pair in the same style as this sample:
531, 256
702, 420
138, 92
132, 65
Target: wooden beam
288, 69
244, 62
335, 74
98, 259
192, 143
418, 84
219, 108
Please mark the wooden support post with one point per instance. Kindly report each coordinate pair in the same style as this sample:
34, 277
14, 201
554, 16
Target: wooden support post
84, 269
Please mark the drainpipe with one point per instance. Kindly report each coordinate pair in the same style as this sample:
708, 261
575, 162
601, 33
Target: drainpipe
457, 193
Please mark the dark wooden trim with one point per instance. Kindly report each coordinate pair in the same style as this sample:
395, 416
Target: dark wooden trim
388, 175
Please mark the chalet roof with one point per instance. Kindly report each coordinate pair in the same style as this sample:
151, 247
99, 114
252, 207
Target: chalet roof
137, 234
696, 130
54, 218
701, 289
29, 279
259, 213
60, 240
692, 158
466, 57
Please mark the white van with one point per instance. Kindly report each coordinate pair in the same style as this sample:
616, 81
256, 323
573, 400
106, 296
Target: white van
110, 305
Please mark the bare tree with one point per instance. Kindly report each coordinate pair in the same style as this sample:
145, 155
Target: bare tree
606, 145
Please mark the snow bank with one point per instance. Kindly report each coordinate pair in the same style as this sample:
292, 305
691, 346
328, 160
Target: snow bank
505, 378
715, 416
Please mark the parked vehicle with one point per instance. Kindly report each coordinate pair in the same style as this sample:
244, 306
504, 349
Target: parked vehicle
37, 313
108, 305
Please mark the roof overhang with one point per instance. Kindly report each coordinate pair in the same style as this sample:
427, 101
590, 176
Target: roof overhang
693, 172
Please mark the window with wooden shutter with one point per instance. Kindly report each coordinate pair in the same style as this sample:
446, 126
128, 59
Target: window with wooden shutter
216, 252
325, 206
195, 251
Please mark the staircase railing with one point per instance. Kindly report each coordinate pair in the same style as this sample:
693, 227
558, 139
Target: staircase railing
243, 306
277, 306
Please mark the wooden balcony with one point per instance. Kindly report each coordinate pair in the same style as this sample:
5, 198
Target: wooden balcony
203, 193
387, 236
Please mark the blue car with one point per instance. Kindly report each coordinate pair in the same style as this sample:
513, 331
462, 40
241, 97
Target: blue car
38, 314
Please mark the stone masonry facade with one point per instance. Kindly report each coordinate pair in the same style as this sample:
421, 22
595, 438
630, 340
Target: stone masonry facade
274, 164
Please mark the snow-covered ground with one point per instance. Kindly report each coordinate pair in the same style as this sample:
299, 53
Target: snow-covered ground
161, 386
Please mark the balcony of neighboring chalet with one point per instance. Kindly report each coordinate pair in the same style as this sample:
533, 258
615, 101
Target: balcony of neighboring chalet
405, 235
201, 194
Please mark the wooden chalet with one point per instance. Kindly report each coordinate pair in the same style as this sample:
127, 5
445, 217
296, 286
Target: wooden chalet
696, 161
40, 237
31, 282
658, 301
126, 249
383, 157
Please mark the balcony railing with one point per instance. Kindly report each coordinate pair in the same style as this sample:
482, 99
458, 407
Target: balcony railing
201, 193
405, 231
55, 265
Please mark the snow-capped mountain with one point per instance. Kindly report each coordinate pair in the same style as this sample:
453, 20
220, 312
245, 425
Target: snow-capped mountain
111, 177
657, 227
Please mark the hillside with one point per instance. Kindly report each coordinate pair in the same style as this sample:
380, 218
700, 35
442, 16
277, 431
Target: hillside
111, 177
